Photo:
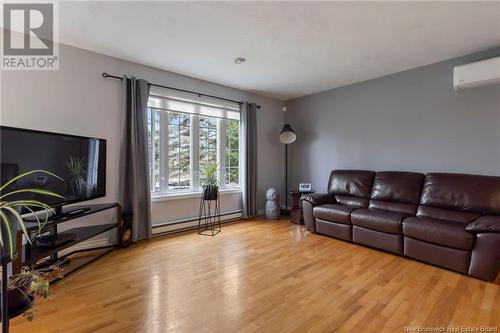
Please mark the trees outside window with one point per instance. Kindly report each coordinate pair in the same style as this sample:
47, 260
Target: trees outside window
181, 145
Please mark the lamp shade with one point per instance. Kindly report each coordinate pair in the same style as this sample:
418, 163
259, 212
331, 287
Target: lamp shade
287, 134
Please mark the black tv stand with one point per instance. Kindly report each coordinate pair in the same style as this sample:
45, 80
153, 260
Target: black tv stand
76, 211
60, 213
47, 265
36, 256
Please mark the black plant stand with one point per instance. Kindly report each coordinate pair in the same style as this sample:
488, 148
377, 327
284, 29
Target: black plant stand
5, 306
5, 260
209, 218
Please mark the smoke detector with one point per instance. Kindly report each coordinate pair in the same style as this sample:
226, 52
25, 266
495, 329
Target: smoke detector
239, 60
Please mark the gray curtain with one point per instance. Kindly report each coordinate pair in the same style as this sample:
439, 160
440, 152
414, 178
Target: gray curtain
135, 194
249, 158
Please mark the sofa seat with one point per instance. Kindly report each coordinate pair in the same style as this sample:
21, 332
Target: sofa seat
334, 213
440, 232
379, 220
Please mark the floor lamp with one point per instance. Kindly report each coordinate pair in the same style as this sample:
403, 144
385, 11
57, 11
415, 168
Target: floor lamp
287, 136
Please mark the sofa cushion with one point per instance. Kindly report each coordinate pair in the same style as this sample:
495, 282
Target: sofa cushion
380, 240
352, 201
397, 186
446, 214
440, 232
355, 183
408, 209
379, 220
334, 212
471, 193
332, 229
444, 256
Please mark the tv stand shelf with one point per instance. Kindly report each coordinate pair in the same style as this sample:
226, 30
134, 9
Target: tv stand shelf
82, 234
35, 255
89, 210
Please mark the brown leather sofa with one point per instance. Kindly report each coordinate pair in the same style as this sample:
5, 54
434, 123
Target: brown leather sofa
448, 220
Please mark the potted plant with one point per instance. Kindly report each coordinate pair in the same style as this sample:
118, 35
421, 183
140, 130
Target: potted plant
210, 182
22, 287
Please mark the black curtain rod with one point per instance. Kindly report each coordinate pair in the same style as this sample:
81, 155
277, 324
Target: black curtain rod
106, 75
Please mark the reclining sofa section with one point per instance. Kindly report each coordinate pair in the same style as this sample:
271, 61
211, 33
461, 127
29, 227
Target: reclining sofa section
448, 220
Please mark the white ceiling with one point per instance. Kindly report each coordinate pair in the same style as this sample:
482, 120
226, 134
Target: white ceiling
292, 48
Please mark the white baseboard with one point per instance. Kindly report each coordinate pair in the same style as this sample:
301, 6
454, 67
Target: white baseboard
189, 223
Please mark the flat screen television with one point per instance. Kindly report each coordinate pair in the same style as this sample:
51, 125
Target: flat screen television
80, 161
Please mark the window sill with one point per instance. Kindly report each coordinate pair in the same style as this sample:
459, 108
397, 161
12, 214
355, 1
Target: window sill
189, 195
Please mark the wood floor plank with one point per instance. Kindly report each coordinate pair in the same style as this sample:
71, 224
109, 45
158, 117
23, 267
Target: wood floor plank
261, 276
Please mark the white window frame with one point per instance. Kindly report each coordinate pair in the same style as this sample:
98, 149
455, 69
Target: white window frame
223, 156
195, 188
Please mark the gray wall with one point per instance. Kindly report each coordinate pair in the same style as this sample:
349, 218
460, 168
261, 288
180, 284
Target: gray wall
411, 120
76, 99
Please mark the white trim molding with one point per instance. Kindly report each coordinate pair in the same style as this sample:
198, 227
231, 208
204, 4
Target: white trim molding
189, 195
191, 223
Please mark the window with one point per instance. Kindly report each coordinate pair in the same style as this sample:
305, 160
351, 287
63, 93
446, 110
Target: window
154, 149
208, 141
179, 151
232, 152
186, 136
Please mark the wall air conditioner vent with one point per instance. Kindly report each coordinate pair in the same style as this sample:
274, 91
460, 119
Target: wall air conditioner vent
477, 74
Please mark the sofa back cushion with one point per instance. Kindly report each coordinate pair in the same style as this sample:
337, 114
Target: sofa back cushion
397, 186
397, 191
468, 193
351, 187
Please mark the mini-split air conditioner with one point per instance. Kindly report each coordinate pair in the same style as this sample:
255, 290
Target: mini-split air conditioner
477, 74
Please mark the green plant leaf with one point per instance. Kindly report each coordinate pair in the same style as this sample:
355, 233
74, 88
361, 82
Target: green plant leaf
26, 174
45, 207
33, 203
36, 218
19, 220
5, 221
1, 238
210, 176
33, 190
9, 206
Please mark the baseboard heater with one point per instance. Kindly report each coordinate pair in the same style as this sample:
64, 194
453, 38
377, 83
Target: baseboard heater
172, 227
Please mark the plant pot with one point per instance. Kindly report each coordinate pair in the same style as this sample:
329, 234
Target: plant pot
210, 192
19, 299
19, 302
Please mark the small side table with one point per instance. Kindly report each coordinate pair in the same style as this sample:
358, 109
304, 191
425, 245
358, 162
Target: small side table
296, 216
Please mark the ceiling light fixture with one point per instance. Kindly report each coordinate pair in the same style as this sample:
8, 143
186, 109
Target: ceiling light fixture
239, 60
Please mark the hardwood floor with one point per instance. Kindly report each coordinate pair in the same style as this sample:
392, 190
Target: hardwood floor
261, 276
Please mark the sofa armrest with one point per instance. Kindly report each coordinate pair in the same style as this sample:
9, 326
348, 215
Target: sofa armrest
485, 257
316, 199
487, 223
